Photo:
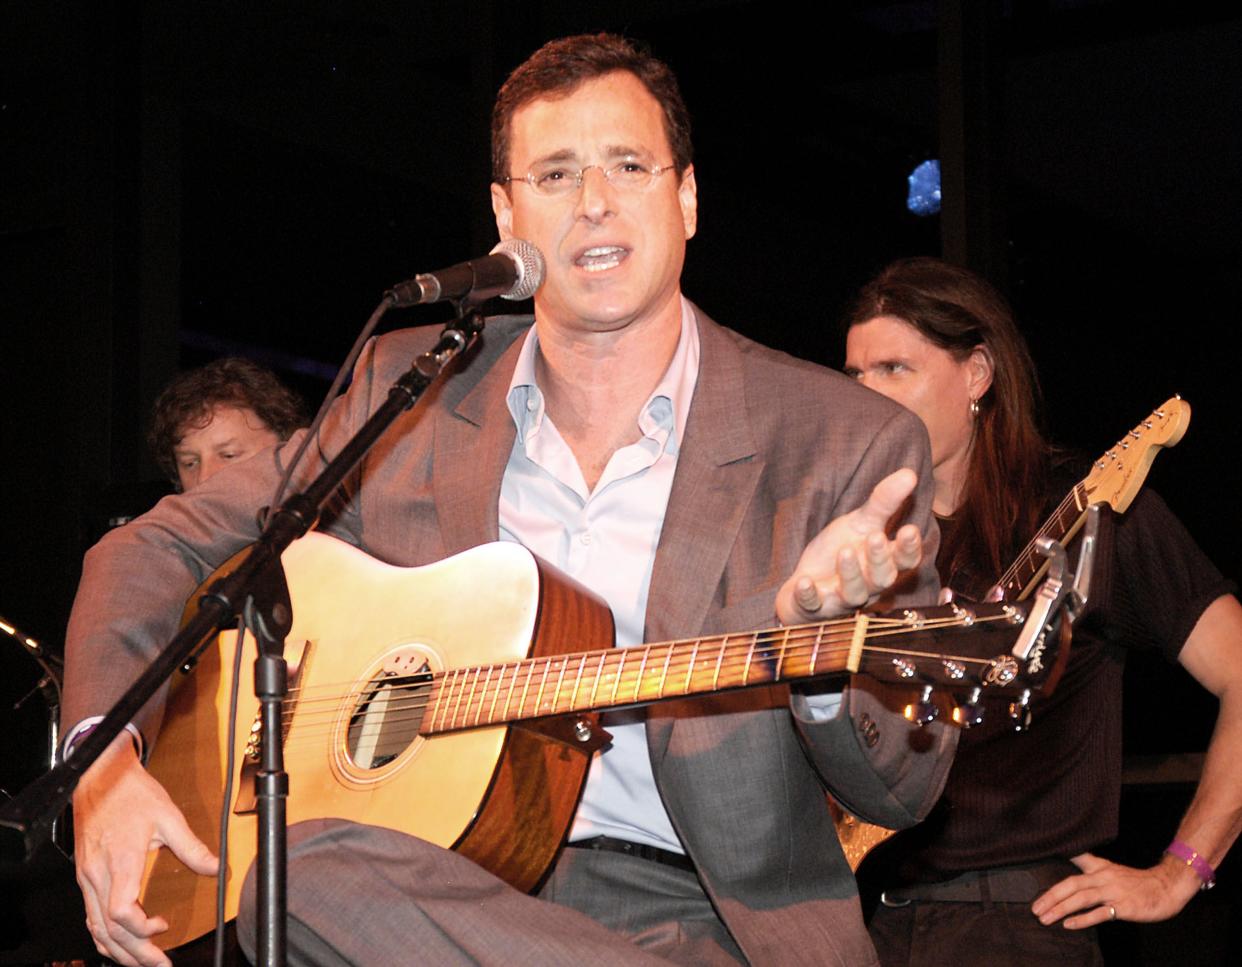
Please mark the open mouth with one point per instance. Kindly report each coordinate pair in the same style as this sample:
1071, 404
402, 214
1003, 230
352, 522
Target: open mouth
601, 258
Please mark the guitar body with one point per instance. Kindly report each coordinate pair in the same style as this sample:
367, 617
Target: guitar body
502, 795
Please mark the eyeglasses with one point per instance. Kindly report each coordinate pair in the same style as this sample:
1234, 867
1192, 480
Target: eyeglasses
555, 180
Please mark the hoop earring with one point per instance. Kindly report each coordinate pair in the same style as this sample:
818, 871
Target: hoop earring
974, 409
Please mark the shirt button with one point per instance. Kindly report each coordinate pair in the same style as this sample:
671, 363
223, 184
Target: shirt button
585, 537
531, 406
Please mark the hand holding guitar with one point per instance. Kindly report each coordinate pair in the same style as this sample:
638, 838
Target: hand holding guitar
121, 813
853, 559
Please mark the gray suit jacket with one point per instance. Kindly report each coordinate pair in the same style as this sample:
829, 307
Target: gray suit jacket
773, 450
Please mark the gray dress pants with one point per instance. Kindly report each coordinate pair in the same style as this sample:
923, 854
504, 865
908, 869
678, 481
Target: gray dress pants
363, 895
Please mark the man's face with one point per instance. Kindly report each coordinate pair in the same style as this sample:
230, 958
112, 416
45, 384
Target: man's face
890, 356
614, 255
231, 433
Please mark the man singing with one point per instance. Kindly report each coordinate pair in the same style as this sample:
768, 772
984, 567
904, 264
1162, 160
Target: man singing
696, 481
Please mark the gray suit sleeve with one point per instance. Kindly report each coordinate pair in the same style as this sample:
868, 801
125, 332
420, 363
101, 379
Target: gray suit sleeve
137, 579
873, 761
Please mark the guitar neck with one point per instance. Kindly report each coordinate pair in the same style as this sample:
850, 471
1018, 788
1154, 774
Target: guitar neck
1115, 478
1029, 566
888, 648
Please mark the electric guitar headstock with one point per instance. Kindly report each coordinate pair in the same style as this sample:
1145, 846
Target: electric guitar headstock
1117, 476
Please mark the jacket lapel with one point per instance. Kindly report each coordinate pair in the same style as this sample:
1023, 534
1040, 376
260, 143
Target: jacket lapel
472, 446
717, 471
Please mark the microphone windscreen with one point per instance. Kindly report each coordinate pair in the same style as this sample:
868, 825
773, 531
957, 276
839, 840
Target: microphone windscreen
530, 267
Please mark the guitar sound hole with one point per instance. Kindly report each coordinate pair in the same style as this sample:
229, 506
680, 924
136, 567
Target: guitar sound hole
389, 713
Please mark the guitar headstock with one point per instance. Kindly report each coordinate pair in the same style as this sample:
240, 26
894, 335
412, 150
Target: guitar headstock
1116, 477
965, 650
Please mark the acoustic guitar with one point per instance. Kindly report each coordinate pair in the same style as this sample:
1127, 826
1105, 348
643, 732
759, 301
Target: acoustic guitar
473, 727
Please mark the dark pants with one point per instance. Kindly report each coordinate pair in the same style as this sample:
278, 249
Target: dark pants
928, 933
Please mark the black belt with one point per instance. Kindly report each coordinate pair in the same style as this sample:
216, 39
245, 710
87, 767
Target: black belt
1006, 884
611, 845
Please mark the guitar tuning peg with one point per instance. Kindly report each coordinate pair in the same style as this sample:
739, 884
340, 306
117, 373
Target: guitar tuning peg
970, 712
1020, 712
923, 711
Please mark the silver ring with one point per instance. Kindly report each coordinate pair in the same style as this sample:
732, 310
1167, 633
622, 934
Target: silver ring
1112, 913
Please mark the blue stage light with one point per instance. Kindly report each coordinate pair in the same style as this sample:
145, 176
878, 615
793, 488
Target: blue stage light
924, 197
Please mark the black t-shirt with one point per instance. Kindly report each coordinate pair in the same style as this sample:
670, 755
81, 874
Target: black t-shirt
1053, 791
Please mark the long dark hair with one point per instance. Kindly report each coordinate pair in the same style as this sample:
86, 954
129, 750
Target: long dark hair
1001, 504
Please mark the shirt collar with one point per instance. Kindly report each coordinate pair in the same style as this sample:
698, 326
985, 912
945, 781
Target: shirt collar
666, 409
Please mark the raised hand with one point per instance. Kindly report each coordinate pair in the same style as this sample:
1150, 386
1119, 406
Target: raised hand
853, 559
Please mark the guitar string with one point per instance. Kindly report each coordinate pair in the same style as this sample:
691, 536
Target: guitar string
764, 649
467, 704
1026, 560
764, 642
1157, 416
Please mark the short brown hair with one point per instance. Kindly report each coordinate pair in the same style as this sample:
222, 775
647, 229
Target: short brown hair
188, 400
560, 66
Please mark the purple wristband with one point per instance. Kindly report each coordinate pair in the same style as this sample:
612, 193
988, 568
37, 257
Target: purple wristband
1203, 869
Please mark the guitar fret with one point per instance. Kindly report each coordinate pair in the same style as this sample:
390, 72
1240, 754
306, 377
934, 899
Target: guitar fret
573, 696
446, 689
819, 635
724, 643
668, 657
543, 683
555, 702
470, 698
530, 672
694, 653
456, 700
780, 658
750, 654
436, 706
491, 712
642, 667
603, 660
617, 683
512, 685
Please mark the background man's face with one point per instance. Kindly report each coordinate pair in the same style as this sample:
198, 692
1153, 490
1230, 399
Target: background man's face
614, 256
231, 433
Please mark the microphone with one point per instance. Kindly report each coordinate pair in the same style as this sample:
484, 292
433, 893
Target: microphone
513, 270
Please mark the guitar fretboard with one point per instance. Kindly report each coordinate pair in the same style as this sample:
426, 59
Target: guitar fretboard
618, 677
1063, 522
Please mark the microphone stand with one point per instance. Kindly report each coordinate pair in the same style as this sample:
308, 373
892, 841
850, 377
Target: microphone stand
255, 590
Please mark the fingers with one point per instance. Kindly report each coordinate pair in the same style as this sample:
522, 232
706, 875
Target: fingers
886, 499
121, 934
806, 596
1089, 863
1079, 906
908, 548
1110, 891
851, 586
175, 833
853, 581
852, 560
1103, 913
120, 814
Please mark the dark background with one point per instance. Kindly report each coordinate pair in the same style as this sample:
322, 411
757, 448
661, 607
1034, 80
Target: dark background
181, 180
